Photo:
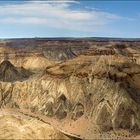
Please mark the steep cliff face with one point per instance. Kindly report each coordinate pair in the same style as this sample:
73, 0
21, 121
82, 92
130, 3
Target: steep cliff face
31, 59
100, 87
58, 50
104, 92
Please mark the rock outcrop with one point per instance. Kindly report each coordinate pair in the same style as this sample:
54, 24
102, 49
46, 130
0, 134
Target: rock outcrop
9, 73
99, 85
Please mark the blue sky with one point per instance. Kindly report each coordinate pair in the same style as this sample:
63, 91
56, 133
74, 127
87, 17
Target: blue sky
69, 18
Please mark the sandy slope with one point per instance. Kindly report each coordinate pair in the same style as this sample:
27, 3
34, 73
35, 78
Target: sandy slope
23, 127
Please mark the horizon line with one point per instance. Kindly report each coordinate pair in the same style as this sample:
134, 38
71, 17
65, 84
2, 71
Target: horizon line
101, 37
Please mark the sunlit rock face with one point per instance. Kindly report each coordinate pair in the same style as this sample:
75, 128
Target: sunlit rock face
21, 127
96, 87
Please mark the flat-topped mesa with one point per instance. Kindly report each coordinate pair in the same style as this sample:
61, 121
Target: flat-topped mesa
10, 73
100, 51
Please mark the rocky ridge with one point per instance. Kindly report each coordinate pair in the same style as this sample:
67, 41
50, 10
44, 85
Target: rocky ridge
100, 86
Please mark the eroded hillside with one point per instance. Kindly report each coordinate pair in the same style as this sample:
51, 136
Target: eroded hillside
96, 88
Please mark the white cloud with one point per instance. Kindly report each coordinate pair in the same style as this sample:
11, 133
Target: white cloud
57, 14
25, 20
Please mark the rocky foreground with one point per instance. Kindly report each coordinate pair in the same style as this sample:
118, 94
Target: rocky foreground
83, 89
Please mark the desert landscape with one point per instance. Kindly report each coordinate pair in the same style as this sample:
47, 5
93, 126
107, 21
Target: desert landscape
70, 88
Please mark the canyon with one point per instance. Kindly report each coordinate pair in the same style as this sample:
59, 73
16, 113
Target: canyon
70, 88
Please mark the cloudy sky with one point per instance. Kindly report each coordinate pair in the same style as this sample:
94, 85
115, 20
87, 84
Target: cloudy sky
69, 18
